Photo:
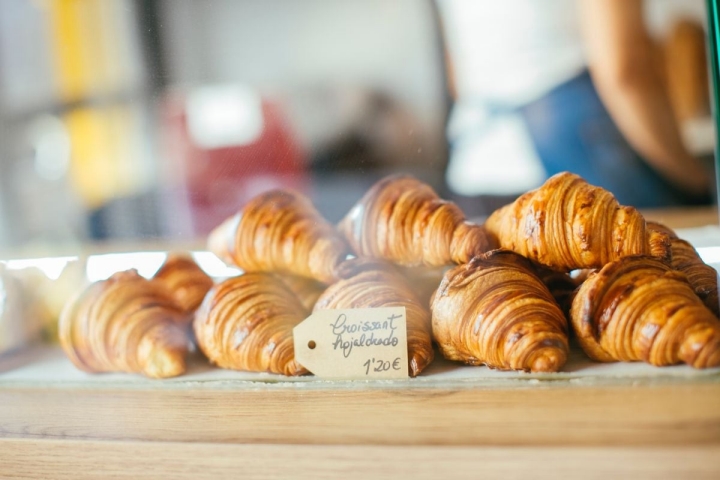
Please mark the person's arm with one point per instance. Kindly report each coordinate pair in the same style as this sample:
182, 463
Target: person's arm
622, 65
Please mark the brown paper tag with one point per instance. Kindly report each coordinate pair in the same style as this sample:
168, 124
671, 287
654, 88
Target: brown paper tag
360, 343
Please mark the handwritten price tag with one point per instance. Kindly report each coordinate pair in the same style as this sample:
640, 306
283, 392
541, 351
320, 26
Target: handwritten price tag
362, 343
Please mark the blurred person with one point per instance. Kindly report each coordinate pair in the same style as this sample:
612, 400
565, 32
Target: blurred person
544, 87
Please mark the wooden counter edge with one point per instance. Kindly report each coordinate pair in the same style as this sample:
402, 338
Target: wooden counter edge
663, 414
73, 459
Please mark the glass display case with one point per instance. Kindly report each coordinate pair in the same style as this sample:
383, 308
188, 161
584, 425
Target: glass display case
301, 239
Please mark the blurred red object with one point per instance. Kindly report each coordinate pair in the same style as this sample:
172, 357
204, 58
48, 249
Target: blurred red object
224, 145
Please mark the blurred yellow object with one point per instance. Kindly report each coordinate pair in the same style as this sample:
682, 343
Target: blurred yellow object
103, 162
96, 69
86, 44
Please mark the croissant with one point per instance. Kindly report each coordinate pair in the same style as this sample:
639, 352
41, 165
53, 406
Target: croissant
702, 277
403, 220
494, 310
280, 231
639, 309
370, 284
246, 323
567, 224
186, 280
125, 324
305, 289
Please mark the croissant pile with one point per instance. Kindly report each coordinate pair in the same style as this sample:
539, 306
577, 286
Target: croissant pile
564, 259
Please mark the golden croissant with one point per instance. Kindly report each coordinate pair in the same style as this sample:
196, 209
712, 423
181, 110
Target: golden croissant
125, 324
685, 259
185, 279
494, 310
305, 289
639, 309
246, 323
403, 220
280, 231
372, 284
568, 224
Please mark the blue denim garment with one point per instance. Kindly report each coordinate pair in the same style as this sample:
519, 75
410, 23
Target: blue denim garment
572, 130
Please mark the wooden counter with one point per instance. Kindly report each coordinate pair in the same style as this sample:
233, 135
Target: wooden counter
453, 420
590, 421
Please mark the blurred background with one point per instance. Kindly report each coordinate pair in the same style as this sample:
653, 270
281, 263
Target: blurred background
135, 120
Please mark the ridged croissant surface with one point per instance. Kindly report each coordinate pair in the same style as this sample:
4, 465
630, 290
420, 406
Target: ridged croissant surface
403, 220
186, 280
246, 323
373, 284
639, 309
280, 231
125, 324
685, 259
494, 310
568, 224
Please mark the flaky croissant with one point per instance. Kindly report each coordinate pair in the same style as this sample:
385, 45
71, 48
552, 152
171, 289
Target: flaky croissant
639, 309
403, 220
280, 231
246, 323
494, 310
373, 284
125, 324
305, 289
568, 224
186, 280
702, 277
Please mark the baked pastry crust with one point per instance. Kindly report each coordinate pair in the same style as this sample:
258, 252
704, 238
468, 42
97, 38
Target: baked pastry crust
280, 231
685, 259
125, 324
639, 309
402, 219
186, 280
568, 224
494, 310
246, 323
